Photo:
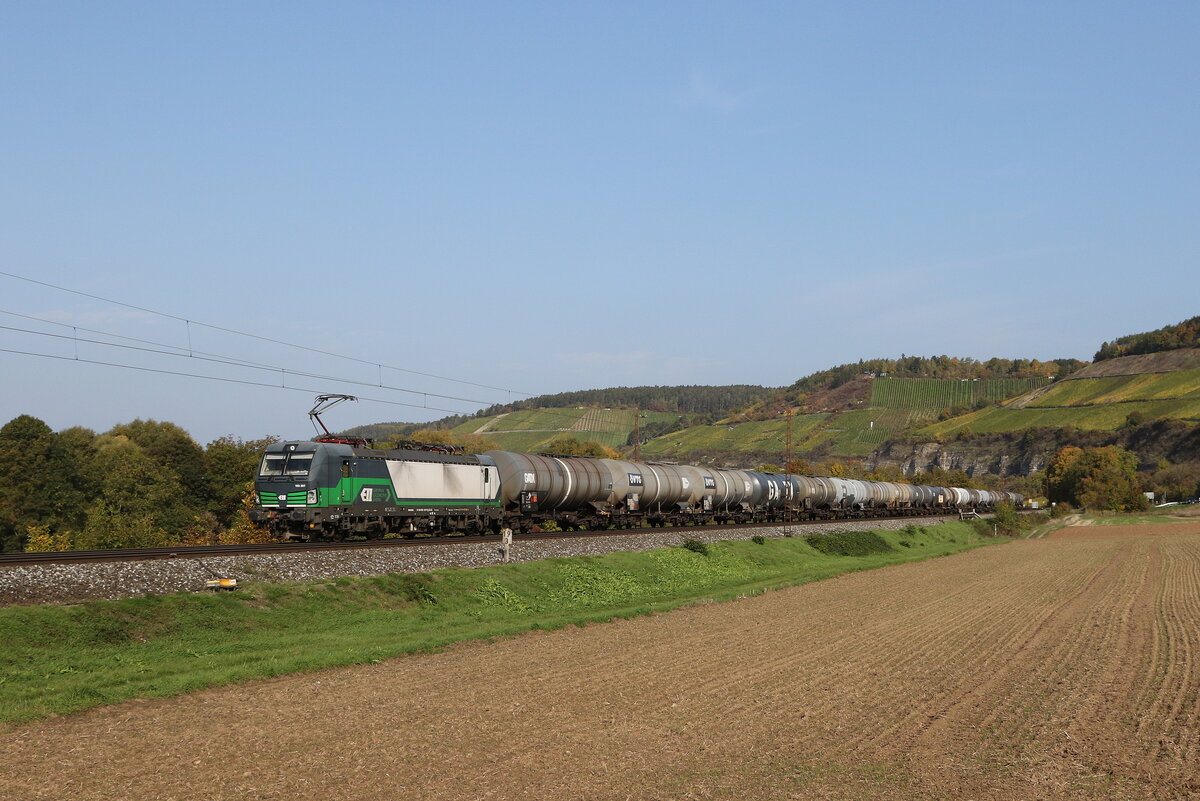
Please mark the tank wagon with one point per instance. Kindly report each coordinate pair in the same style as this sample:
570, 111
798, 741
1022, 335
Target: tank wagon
331, 490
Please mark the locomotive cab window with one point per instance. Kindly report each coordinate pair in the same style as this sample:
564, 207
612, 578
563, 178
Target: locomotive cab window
298, 464
286, 464
272, 464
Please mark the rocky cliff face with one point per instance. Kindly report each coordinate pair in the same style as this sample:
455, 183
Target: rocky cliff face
1025, 452
973, 459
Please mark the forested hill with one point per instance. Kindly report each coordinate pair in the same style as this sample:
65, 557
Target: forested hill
747, 401
949, 367
1169, 337
681, 400
713, 402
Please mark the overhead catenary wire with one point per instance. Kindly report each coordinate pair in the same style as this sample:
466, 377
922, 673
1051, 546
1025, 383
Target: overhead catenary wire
190, 352
216, 358
242, 363
176, 351
214, 378
189, 322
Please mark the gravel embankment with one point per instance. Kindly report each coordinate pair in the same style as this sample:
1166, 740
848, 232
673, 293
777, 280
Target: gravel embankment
36, 584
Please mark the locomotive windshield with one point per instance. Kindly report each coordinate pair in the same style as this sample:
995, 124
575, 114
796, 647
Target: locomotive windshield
286, 464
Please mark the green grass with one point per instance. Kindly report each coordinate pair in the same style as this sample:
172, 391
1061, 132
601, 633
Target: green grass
63, 659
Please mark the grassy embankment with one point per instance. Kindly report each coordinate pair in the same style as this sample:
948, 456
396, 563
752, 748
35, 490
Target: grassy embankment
1171, 514
63, 659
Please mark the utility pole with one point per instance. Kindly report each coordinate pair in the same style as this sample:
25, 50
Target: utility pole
787, 459
637, 435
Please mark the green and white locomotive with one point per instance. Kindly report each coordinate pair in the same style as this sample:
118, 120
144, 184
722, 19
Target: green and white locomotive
323, 490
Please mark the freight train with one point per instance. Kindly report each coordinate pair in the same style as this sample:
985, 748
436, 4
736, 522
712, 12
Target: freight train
323, 490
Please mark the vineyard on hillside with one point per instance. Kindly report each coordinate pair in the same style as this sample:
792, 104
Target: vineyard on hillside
937, 394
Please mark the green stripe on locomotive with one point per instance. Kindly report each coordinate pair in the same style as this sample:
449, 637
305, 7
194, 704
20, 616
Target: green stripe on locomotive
335, 478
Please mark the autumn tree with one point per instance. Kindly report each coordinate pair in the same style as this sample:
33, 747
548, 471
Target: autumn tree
242, 531
566, 445
1095, 478
470, 443
229, 463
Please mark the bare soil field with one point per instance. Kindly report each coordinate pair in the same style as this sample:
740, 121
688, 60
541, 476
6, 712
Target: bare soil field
1058, 668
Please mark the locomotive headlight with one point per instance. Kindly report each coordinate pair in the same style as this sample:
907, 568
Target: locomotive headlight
312, 497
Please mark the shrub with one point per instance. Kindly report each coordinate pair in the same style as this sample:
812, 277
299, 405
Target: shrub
1061, 509
849, 543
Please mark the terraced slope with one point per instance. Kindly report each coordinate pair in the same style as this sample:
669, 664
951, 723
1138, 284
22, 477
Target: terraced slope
750, 437
1102, 403
937, 394
895, 405
532, 429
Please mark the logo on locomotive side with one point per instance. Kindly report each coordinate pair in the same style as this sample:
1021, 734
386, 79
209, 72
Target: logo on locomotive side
374, 495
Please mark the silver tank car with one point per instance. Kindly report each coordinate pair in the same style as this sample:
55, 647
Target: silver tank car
574, 484
537, 483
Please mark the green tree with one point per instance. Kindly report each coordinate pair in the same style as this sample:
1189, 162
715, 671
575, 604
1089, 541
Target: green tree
174, 449
229, 463
1006, 520
40, 482
140, 503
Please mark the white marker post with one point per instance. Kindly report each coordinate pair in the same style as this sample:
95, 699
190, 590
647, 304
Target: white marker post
505, 543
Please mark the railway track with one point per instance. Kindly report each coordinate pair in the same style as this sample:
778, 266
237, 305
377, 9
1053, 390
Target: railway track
204, 551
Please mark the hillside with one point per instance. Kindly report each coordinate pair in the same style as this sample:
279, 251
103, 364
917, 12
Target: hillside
530, 430
849, 420
1104, 396
1004, 416
1168, 338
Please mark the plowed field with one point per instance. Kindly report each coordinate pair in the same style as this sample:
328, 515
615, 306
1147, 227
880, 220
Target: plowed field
1059, 668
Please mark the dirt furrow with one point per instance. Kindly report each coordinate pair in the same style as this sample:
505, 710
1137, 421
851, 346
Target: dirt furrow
1058, 668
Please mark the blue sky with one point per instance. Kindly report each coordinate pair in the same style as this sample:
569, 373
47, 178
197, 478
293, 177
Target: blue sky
553, 196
